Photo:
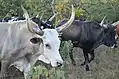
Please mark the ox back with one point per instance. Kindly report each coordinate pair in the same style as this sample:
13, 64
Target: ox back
81, 33
88, 36
41, 24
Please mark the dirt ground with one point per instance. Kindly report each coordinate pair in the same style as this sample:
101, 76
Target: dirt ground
104, 66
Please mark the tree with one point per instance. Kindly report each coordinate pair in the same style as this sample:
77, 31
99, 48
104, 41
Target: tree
97, 9
39, 7
9, 7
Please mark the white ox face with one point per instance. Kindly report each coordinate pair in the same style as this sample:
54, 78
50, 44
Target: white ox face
47, 50
51, 44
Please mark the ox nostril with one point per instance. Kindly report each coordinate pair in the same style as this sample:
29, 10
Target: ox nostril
59, 64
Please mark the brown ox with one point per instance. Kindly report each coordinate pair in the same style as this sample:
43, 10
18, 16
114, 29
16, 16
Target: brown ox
117, 31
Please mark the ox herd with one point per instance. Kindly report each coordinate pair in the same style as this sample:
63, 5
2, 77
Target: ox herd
26, 40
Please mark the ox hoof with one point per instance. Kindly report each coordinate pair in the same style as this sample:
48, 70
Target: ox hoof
115, 46
74, 63
87, 68
83, 63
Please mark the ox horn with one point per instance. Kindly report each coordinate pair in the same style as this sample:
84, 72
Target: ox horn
102, 22
34, 29
41, 16
37, 16
66, 25
52, 17
26, 15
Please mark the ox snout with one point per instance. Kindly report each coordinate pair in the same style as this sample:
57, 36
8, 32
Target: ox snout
59, 64
55, 62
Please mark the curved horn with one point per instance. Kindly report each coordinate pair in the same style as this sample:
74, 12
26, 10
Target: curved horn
102, 22
53, 10
41, 16
52, 17
66, 25
26, 15
36, 30
37, 16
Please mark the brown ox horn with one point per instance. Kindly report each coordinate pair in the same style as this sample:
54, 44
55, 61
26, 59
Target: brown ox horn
66, 25
31, 23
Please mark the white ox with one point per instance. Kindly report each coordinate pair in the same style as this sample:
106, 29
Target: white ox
17, 42
21, 41
22, 44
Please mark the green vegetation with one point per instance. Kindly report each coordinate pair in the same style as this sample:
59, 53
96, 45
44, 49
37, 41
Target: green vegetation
92, 10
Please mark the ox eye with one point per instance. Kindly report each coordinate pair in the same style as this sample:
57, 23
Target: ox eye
36, 40
48, 46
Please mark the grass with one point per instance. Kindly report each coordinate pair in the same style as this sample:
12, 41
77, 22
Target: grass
104, 66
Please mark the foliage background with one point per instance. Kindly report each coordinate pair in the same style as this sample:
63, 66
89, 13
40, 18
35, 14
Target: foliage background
104, 67
91, 9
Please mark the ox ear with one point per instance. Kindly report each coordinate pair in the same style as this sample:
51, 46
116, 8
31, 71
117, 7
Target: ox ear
38, 31
35, 40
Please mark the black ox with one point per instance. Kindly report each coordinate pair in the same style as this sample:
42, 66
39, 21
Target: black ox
88, 36
37, 20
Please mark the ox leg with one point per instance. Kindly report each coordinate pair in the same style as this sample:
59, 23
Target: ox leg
71, 56
91, 56
4, 68
0, 66
82, 64
86, 62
